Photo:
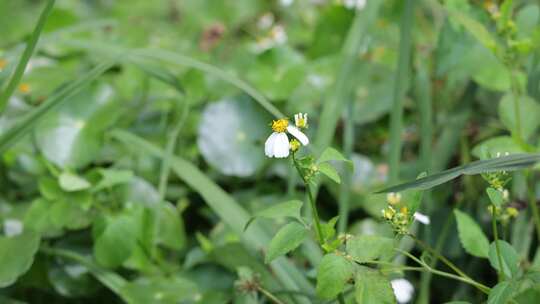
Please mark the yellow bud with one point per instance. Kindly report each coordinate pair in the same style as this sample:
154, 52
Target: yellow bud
24, 88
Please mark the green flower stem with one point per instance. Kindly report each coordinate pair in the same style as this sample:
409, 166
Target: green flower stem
440, 257
426, 267
517, 109
314, 212
269, 295
532, 203
496, 237
28, 51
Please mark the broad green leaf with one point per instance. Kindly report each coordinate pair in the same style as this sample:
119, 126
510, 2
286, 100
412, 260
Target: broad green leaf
286, 209
116, 242
333, 273
17, 255
113, 177
25, 124
504, 163
171, 232
371, 287
529, 113
509, 258
501, 293
474, 27
495, 196
71, 137
329, 228
331, 154
286, 239
229, 136
365, 248
471, 236
496, 145
160, 290
328, 170
72, 182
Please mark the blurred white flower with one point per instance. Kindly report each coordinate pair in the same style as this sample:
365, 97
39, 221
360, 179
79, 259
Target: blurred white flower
277, 144
286, 2
277, 36
403, 290
266, 21
422, 218
354, 4
12, 227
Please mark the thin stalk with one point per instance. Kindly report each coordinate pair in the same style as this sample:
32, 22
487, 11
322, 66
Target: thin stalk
348, 144
532, 203
396, 117
517, 109
496, 237
313, 206
169, 150
269, 295
28, 51
341, 299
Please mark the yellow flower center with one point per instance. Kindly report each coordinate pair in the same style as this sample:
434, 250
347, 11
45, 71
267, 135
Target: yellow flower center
280, 125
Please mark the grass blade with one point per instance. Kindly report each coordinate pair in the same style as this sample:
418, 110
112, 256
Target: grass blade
226, 208
28, 51
26, 123
506, 163
402, 74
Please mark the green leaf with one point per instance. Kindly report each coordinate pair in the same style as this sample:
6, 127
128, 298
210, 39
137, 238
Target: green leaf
229, 136
529, 113
286, 209
16, 256
113, 177
25, 124
495, 196
477, 29
72, 182
496, 145
471, 236
331, 154
501, 293
328, 170
72, 135
116, 242
365, 248
171, 232
504, 163
328, 228
160, 290
371, 287
333, 273
509, 257
286, 239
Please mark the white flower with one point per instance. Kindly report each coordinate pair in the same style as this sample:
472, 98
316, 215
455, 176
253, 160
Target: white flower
300, 120
403, 290
422, 218
277, 145
358, 4
286, 2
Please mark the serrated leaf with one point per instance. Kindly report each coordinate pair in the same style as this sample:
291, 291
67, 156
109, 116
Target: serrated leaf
331, 172
495, 196
365, 248
16, 256
529, 113
286, 209
509, 258
333, 273
72, 182
371, 287
286, 239
331, 154
504, 163
501, 293
471, 236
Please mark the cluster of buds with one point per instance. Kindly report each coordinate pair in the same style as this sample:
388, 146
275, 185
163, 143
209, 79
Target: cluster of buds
396, 215
498, 179
503, 214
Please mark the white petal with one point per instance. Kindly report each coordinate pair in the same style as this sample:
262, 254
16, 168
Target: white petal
294, 131
269, 145
403, 290
281, 145
424, 219
296, 118
13, 227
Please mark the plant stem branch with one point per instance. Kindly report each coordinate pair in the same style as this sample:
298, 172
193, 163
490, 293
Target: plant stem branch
496, 237
269, 295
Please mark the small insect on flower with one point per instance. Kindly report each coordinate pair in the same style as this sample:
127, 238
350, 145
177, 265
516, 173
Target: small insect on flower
277, 145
